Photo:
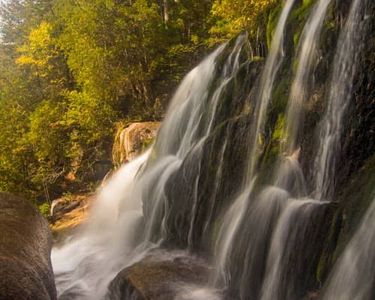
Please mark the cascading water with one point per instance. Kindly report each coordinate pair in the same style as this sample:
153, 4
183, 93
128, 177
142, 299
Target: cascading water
187, 126
346, 59
298, 214
85, 265
274, 60
235, 214
292, 226
354, 274
289, 180
203, 183
306, 59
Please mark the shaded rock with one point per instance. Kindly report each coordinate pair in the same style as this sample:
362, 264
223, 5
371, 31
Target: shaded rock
158, 277
25, 245
133, 140
100, 169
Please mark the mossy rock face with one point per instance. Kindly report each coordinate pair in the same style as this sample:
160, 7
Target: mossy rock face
25, 246
158, 277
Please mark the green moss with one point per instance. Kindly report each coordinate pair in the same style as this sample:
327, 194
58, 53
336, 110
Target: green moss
278, 136
146, 143
258, 58
276, 119
45, 209
272, 22
299, 17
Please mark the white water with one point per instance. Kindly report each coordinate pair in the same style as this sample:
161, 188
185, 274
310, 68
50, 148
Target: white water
289, 176
228, 229
293, 221
296, 213
116, 235
350, 41
306, 58
236, 212
230, 69
273, 62
156, 177
354, 273
85, 265
192, 292
185, 114
182, 132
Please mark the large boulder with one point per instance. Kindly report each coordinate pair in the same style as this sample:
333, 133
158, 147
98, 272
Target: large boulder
25, 245
133, 140
159, 276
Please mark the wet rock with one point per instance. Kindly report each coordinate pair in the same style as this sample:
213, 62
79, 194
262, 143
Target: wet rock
25, 245
158, 277
133, 140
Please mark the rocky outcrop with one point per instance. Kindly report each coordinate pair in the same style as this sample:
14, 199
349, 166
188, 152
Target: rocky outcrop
25, 245
132, 140
68, 212
158, 277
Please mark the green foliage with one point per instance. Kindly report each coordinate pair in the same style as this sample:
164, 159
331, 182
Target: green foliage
233, 16
299, 17
71, 69
45, 209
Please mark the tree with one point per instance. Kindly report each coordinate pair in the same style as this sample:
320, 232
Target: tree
232, 16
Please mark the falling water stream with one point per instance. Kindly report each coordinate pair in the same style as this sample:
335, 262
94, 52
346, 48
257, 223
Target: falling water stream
288, 180
346, 59
264, 225
235, 214
300, 86
353, 276
85, 265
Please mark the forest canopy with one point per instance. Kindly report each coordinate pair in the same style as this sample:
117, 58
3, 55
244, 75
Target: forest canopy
70, 70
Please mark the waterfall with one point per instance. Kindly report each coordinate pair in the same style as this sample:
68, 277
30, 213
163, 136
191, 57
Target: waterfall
295, 221
345, 62
85, 265
354, 273
117, 235
205, 187
297, 214
306, 59
288, 178
273, 62
185, 129
235, 214
185, 115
